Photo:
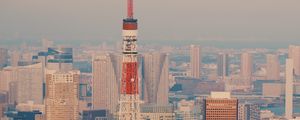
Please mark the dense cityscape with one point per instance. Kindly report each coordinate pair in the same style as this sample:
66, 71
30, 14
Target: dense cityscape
131, 81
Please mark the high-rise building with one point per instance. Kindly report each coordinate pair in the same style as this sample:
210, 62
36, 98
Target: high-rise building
223, 65
62, 95
156, 74
294, 53
248, 111
273, 67
60, 59
106, 79
24, 83
129, 104
3, 57
195, 56
289, 86
246, 68
220, 106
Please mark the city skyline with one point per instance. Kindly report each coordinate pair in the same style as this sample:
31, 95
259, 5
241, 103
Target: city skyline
243, 23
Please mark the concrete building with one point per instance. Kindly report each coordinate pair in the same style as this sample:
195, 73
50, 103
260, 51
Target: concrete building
248, 111
62, 99
195, 56
294, 53
157, 112
246, 68
186, 110
106, 79
273, 67
156, 78
289, 86
221, 106
223, 65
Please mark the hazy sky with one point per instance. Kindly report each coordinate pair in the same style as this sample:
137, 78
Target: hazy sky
197, 20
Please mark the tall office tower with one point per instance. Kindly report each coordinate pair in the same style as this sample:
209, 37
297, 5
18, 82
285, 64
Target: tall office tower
220, 106
129, 108
62, 95
246, 68
294, 53
15, 58
60, 59
3, 57
273, 67
195, 55
223, 65
156, 82
106, 77
248, 111
289, 86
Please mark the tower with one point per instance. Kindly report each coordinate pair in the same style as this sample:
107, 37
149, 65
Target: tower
129, 103
246, 68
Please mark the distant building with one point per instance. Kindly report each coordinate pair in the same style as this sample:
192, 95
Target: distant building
294, 53
186, 110
223, 65
106, 79
156, 78
273, 67
246, 68
195, 56
15, 58
24, 83
62, 99
3, 57
95, 115
157, 112
289, 86
60, 59
273, 89
248, 111
219, 106
29, 115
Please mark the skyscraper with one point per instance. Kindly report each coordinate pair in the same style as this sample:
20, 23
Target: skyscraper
195, 56
156, 82
106, 79
220, 106
273, 67
62, 95
289, 86
223, 65
246, 67
294, 53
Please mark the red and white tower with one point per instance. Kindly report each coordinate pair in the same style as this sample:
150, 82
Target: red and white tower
129, 108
